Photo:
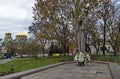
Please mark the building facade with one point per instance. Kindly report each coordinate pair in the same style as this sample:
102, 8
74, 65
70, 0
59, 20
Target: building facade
9, 45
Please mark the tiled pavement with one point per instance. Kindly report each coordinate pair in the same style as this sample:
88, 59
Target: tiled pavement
71, 71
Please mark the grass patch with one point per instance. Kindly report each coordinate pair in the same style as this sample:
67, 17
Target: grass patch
22, 64
115, 59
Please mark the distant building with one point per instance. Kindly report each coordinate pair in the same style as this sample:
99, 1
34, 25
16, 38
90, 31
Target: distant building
8, 42
20, 37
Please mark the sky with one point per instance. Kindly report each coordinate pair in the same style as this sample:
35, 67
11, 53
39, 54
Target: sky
15, 16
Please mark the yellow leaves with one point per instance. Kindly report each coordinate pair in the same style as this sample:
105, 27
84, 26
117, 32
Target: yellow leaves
46, 31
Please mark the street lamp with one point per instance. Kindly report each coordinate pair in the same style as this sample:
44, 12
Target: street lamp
87, 8
81, 33
86, 12
84, 33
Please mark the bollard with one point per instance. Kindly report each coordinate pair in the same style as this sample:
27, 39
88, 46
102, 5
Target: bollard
12, 68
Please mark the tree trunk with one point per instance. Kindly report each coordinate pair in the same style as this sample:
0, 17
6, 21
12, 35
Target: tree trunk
115, 53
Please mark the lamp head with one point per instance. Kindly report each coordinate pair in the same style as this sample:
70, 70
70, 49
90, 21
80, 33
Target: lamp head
87, 6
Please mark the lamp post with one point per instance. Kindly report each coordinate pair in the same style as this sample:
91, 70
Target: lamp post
86, 9
80, 32
83, 33
86, 12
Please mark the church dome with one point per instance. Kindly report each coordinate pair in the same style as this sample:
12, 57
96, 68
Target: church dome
21, 34
8, 33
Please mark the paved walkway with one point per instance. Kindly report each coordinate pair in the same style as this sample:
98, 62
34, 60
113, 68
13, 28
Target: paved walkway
2, 61
71, 71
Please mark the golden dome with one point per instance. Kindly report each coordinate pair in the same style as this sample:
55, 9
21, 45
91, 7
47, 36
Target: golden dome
8, 33
21, 34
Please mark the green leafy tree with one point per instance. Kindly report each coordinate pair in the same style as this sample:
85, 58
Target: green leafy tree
63, 17
106, 23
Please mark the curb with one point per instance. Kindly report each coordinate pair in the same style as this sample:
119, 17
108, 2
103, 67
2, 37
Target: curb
28, 72
113, 67
115, 70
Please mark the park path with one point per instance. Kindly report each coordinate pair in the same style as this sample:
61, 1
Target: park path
2, 61
71, 71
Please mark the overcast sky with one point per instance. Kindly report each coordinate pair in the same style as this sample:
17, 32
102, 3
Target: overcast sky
15, 16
